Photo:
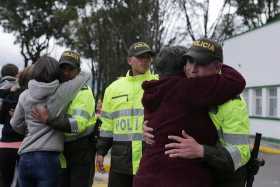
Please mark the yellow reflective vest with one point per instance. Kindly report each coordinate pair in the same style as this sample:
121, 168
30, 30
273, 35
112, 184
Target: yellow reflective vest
122, 119
81, 112
232, 123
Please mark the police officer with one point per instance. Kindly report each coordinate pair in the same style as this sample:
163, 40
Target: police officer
228, 158
122, 118
79, 147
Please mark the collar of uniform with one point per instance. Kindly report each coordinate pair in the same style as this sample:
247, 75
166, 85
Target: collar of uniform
138, 77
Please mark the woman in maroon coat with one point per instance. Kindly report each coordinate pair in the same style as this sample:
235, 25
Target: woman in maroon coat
175, 103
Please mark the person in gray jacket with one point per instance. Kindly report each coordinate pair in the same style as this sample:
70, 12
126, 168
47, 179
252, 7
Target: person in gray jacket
8, 137
39, 152
8, 76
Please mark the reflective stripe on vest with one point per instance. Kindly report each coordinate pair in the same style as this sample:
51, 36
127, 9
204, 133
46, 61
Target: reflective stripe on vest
82, 113
122, 137
87, 132
235, 155
128, 137
123, 113
106, 134
74, 125
234, 139
106, 115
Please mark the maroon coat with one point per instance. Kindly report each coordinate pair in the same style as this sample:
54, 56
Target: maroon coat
172, 104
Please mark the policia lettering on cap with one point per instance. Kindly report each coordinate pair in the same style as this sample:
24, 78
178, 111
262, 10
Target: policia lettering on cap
122, 118
71, 54
204, 44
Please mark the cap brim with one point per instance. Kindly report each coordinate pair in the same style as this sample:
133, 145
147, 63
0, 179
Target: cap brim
145, 51
199, 57
69, 63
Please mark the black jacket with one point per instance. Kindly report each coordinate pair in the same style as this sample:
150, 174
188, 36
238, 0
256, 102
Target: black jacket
221, 163
9, 101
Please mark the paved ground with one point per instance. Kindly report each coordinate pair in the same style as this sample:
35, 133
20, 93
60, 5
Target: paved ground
268, 176
100, 180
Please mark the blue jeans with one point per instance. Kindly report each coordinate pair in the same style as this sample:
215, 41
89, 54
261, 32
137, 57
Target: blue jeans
39, 169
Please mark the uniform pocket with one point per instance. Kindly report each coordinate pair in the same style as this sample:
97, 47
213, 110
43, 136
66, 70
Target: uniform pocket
120, 98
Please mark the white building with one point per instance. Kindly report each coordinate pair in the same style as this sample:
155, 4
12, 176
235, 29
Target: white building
256, 54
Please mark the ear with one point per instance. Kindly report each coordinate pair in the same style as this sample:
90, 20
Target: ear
129, 60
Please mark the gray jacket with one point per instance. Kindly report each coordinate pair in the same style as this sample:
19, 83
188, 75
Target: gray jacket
38, 136
7, 82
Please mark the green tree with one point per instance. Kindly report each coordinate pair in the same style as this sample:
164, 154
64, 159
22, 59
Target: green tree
256, 13
104, 35
34, 22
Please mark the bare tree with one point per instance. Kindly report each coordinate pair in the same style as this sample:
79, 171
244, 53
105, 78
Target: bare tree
198, 23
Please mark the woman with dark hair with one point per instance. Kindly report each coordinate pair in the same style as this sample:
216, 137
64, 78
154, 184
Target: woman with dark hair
39, 164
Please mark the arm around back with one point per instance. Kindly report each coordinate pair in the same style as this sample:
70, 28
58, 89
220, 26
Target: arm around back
65, 94
218, 158
216, 89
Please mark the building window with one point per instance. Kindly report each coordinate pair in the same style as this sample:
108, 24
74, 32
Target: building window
258, 101
272, 102
246, 96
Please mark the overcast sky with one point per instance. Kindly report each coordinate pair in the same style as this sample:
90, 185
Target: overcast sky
10, 52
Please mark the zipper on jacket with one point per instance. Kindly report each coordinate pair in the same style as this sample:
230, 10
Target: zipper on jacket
126, 95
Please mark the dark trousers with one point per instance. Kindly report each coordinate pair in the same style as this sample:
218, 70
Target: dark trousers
236, 179
8, 158
120, 180
39, 169
80, 159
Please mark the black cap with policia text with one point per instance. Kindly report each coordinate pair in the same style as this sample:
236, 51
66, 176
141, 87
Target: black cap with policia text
205, 51
71, 58
139, 48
